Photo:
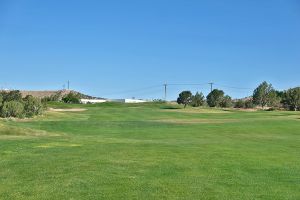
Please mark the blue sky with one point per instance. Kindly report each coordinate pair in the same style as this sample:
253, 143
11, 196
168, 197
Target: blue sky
117, 48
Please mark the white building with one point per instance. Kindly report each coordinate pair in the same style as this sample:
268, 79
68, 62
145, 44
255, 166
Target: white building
86, 101
128, 100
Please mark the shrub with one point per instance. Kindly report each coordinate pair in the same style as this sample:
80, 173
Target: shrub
249, 104
226, 102
198, 100
1, 101
71, 98
14, 95
12, 109
32, 106
239, 104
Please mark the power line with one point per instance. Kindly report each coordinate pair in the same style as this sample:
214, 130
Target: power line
182, 84
233, 87
198, 84
134, 90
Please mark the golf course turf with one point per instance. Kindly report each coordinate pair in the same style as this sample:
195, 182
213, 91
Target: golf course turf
150, 151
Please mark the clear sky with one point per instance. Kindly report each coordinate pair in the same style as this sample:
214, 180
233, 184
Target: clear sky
116, 48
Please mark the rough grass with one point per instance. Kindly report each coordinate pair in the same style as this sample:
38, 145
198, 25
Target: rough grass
146, 151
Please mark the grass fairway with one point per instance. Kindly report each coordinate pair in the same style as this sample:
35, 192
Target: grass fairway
151, 151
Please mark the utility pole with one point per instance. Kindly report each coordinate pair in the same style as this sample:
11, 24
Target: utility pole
68, 85
211, 86
165, 85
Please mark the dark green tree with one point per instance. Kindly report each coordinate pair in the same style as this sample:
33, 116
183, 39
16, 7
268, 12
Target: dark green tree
291, 99
13, 95
72, 97
215, 98
198, 100
185, 98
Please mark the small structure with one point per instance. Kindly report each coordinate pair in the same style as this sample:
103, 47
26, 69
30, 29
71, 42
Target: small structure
92, 101
128, 100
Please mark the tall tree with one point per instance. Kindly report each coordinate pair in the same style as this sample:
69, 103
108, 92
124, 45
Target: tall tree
185, 98
264, 94
215, 98
198, 100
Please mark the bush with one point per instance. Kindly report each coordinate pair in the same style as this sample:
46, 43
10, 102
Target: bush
239, 104
198, 100
249, 104
54, 97
71, 98
12, 109
32, 106
1, 101
12, 105
14, 95
226, 102
159, 100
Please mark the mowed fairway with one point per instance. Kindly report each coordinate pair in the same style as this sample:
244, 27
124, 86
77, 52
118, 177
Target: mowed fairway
151, 151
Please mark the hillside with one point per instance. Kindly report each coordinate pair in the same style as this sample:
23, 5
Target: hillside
48, 93
43, 93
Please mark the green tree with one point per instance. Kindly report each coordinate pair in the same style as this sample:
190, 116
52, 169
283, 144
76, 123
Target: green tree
198, 100
226, 102
291, 99
12, 109
72, 97
13, 95
185, 98
264, 95
32, 106
215, 98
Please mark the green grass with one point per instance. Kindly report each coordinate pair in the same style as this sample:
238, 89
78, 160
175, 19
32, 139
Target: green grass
151, 151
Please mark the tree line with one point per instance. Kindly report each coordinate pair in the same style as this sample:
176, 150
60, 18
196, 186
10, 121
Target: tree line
264, 96
13, 105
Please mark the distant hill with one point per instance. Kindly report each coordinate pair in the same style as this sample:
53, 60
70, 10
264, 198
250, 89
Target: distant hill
43, 93
48, 93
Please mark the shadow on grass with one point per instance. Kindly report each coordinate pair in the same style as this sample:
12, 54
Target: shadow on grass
170, 107
226, 110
